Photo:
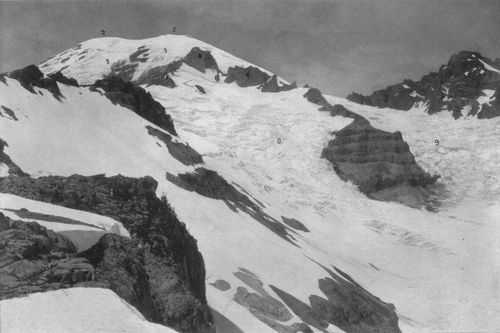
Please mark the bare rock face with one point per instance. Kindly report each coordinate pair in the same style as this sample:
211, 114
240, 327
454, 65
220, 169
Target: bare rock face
340, 110
180, 151
31, 76
201, 60
272, 85
455, 87
13, 168
295, 224
59, 77
246, 76
347, 305
159, 270
160, 75
263, 306
34, 259
315, 96
136, 99
374, 159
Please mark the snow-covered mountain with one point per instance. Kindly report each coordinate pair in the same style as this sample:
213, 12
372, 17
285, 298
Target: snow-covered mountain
209, 144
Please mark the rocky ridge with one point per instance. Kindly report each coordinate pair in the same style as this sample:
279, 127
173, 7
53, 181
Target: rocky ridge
468, 85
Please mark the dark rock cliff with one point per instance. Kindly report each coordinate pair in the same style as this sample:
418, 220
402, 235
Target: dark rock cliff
455, 87
201, 60
374, 159
31, 76
13, 168
136, 99
160, 263
160, 75
35, 259
246, 76
369, 157
180, 151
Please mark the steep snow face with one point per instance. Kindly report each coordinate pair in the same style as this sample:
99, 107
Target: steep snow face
74, 310
439, 269
93, 59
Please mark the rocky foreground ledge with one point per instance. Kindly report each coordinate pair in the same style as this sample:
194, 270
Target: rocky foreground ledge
159, 269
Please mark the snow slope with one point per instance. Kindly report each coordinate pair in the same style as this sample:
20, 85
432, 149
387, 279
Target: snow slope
439, 269
55, 312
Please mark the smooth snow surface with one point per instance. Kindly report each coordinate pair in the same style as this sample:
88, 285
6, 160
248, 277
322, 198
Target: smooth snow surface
439, 269
4, 170
74, 310
14, 202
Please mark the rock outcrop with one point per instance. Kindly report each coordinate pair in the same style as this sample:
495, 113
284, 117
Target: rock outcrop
347, 305
374, 159
35, 259
136, 99
369, 157
31, 76
469, 84
263, 306
159, 270
13, 168
180, 151
246, 76
315, 96
160, 75
252, 76
273, 85
201, 60
210, 184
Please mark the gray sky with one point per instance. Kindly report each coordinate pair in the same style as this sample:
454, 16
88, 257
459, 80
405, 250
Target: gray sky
337, 46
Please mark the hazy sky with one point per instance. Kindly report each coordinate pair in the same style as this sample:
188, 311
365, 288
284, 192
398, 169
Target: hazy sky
337, 46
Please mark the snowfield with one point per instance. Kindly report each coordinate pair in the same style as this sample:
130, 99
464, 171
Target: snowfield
440, 269
77, 310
